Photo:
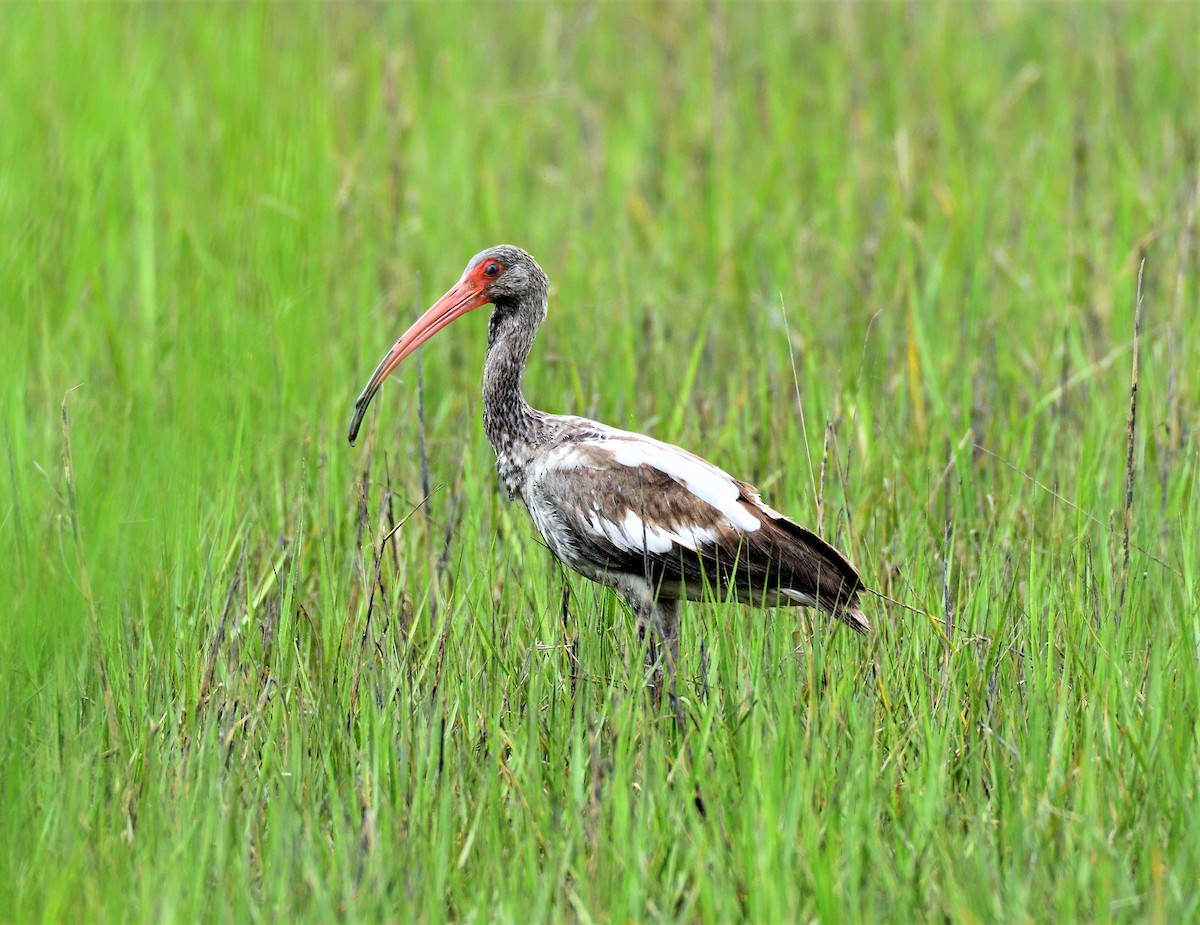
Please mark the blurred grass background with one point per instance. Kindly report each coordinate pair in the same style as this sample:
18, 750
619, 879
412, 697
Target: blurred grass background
230, 699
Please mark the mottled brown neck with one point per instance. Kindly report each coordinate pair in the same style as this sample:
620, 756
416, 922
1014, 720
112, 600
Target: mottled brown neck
513, 428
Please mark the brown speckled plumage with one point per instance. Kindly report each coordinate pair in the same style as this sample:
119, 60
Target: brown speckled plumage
657, 523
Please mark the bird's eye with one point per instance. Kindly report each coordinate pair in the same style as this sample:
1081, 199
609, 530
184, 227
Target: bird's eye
492, 269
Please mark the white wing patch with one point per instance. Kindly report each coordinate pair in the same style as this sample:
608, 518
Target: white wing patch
705, 481
637, 532
634, 535
621, 524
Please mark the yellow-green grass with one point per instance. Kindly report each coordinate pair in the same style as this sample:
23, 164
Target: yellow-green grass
878, 259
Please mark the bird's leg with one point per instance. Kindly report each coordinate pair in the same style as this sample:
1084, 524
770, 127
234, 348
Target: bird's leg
665, 615
645, 618
668, 626
659, 621
570, 640
642, 620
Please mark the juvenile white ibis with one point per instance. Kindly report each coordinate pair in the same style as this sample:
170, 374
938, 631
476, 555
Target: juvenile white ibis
647, 518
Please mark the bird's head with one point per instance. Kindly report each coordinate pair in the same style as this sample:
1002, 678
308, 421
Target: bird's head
504, 276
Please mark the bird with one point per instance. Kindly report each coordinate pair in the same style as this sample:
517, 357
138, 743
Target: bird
658, 524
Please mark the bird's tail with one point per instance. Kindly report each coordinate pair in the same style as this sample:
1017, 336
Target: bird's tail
817, 575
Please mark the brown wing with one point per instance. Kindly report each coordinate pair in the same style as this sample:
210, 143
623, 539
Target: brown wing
658, 511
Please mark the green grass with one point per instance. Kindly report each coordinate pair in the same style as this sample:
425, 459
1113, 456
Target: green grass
214, 220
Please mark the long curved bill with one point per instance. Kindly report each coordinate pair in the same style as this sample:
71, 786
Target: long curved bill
465, 296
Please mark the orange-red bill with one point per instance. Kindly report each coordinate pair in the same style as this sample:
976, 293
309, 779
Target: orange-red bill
465, 296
